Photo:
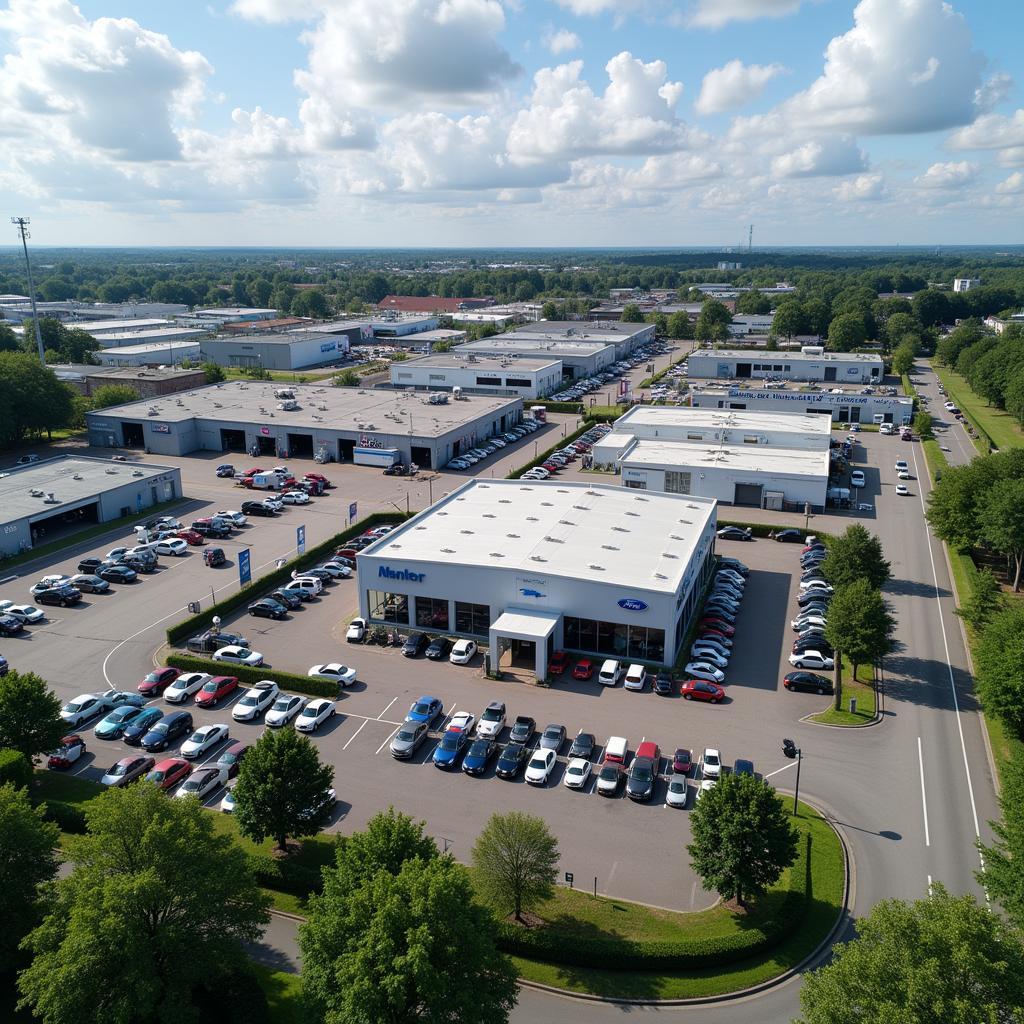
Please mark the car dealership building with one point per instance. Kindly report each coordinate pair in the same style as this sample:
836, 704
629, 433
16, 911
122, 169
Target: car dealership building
530, 568
840, 406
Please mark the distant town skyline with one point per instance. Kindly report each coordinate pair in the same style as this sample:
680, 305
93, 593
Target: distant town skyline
518, 123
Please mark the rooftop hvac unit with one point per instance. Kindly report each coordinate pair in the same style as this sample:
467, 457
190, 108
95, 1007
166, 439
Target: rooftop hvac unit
153, 412
50, 499
35, 492
136, 472
76, 476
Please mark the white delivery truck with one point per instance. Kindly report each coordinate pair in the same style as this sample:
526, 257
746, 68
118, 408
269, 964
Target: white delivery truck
380, 457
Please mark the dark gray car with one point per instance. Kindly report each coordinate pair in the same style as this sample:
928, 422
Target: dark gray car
408, 739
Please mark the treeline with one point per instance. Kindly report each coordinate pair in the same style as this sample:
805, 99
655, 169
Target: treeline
993, 364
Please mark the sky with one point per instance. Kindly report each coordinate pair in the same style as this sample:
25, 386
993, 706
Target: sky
513, 122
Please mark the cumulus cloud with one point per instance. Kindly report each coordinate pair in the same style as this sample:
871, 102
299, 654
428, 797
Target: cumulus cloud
863, 188
826, 157
733, 85
716, 13
991, 131
1011, 186
947, 175
561, 41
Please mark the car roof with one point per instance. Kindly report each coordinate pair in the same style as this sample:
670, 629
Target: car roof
647, 749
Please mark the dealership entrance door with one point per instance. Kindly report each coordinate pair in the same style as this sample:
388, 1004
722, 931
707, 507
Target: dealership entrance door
518, 630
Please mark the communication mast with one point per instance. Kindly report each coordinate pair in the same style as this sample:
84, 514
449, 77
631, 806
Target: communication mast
750, 238
21, 223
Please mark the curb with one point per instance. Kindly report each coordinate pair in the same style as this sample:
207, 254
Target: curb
849, 895
879, 714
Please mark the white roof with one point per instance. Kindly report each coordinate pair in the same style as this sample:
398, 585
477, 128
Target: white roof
748, 458
696, 417
753, 355
102, 326
521, 623
600, 532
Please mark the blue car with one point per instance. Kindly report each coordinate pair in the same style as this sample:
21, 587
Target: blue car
449, 750
426, 709
478, 756
140, 725
111, 727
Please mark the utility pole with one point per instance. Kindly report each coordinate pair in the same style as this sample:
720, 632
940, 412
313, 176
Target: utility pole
22, 223
750, 239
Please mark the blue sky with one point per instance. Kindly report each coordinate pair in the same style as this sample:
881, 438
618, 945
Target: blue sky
518, 122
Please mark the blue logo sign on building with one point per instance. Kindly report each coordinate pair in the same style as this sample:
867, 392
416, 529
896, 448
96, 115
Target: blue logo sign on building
632, 604
530, 592
244, 567
386, 572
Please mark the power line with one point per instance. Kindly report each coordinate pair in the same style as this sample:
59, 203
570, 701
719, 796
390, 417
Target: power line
22, 223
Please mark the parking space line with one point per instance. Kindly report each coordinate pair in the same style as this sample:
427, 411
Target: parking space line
385, 711
358, 731
386, 738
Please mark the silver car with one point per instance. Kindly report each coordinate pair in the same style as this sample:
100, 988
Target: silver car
408, 739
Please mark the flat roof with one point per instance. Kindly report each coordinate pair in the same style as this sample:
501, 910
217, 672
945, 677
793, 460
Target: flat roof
170, 333
57, 476
140, 372
321, 407
583, 531
747, 458
231, 311
152, 346
99, 326
828, 357
453, 361
581, 328
835, 389
723, 419
553, 346
295, 337
441, 334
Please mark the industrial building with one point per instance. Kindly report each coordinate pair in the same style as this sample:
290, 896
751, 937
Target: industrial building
812, 362
289, 351
154, 353
840, 406
231, 314
496, 375
66, 493
167, 335
98, 328
531, 568
625, 337
319, 420
754, 459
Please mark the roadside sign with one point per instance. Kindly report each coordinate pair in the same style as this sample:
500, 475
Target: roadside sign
300, 539
244, 567
568, 879
352, 511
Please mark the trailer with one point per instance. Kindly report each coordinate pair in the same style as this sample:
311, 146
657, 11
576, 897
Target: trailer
380, 457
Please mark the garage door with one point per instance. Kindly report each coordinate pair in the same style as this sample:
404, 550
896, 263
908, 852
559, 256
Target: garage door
748, 494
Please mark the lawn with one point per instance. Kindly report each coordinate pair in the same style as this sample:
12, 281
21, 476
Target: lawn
1000, 426
863, 689
284, 996
577, 913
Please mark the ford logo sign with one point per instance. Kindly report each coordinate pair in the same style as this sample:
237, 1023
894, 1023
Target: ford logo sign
632, 604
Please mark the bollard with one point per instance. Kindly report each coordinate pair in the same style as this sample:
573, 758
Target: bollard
853, 705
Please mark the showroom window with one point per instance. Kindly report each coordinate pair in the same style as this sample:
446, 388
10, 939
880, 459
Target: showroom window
388, 607
474, 619
614, 639
488, 382
677, 482
431, 613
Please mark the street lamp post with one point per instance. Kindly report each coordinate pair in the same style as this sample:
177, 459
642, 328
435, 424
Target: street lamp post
796, 791
21, 223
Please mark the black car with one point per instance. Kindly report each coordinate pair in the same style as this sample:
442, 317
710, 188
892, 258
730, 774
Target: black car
90, 584
478, 756
741, 766
664, 685
133, 734
582, 746
267, 608
210, 529
207, 643
91, 564
178, 723
735, 533
63, 596
640, 783
286, 597
807, 682
137, 565
225, 470
511, 761
414, 645
439, 648
319, 574
720, 611
117, 574
256, 508
735, 564
552, 737
789, 536
9, 625
523, 729
810, 597
609, 773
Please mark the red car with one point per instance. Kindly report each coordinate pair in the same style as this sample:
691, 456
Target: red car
254, 471
319, 476
719, 625
349, 553
169, 772
682, 762
559, 663
71, 748
214, 690
584, 669
698, 689
157, 681
191, 537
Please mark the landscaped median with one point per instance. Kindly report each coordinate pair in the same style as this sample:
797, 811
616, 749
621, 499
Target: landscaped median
863, 688
250, 676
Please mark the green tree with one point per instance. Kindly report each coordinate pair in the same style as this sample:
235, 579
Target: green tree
346, 379
279, 783
549, 311
899, 326
860, 625
661, 325
923, 425
30, 719
713, 322
113, 394
78, 346
753, 302
153, 876
788, 320
1013, 395
942, 958
1003, 877
214, 373
679, 326
388, 841
516, 861
1001, 522
846, 332
742, 838
27, 859
999, 667
409, 946
631, 314
260, 291
856, 554
32, 399
817, 315
903, 360
311, 302
932, 308
985, 600
9, 341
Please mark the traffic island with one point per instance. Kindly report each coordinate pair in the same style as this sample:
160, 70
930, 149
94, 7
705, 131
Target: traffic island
863, 690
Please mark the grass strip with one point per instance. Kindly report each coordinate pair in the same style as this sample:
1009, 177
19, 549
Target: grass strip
863, 689
284, 995
997, 425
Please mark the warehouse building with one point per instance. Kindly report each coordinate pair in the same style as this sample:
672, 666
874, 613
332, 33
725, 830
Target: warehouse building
531, 568
494, 375
58, 496
318, 420
625, 337
154, 353
289, 351
761, 460
98, 328
839, 406
812, 362
233, 314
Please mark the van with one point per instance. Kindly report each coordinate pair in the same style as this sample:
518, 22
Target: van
308, 583
616, 750
887, 428
610, 674
878, 419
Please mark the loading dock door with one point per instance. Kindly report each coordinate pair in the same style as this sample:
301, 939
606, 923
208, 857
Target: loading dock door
266, 446
421, 456
300, 446
131, 435
748, 495
346, 450
830, 373
232, 440
743, 369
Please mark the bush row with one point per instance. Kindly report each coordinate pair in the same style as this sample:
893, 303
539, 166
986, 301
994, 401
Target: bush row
14, 768
540, 460
248, 675
319, 553
571, 407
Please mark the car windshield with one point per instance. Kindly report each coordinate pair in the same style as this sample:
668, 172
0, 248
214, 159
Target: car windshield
539, 762
156, 776
422, 708
228, 758
249, 700
450, 741
677, 787
479, 747
407, 735
576, 770
310, 712
160, 727
73, 706
282, 705
711, 759
119, 769
552, 733
492, 714
211, 687
609, 772
642, 771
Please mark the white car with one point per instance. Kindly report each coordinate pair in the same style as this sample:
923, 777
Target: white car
309, 582
463, 652
677, 793
492, 721
356, 631
705, 785
295, 498
343, 675
227, 803
809, 622
285, 708
705, 652
901, 464
816, 585
54, 580
83, 707
710, 764
169, 523
202, 782
636, 677
314, 714
203, 739
540, 766
236, 517
720, 645
950, 405
904, 474
255, 701
172, 546
464, 720
235, 655
577, 773
274, 504
303, 588
337, 570
857, 478
811, 659
902, 491
704, 670
185, 685
25, 613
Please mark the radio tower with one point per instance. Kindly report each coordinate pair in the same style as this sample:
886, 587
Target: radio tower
750, 238
21, 223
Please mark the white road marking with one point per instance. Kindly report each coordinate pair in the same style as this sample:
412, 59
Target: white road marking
388, 708
386, 738
924, 799
357, 732
929, 885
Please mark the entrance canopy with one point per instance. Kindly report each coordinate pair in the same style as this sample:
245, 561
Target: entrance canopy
527, 624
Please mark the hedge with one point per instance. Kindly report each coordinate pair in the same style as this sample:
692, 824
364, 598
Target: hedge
542, 458
687, 954
571, 407
319, 553
67, 817
285, 875
14, 768
246, 674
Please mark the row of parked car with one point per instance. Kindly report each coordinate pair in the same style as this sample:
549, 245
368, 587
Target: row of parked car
559, 459
810, 649
492, 445
587, 385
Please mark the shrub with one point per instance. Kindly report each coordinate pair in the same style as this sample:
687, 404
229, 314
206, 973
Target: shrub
14, 768
285, 875
249, 676
67, 817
